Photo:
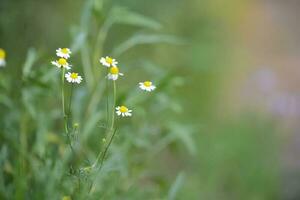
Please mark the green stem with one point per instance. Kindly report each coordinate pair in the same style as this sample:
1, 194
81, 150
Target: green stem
70, 101
113, 107
107, 100
63, 100
106, 149
110, 136
111, 131
103, 156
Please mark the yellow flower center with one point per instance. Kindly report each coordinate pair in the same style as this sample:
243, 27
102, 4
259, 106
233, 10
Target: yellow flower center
62, 61
65, 51
2, 54
114, 70
123, 109
74, 75
147, 83
109, 60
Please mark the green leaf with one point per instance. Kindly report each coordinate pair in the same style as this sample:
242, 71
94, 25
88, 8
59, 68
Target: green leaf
30, 59
176, 186
184, 134
122, 15
86, 15
139, 39
78, 41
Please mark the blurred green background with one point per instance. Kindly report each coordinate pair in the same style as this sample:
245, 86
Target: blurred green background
221, 125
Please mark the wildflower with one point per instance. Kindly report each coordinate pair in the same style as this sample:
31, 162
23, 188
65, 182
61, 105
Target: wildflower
63, 52
66, 198
61, 63
147, 86
108, 61
73, 77
114, 73
124, 111
2, 58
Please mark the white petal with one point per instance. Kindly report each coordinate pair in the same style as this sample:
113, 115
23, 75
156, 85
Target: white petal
144, 87
114, 77
114, 63
54, 63
109, 76
102, 61
67, 66
2, 63
69, 80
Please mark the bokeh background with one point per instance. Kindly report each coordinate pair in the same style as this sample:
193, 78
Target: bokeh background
223, 123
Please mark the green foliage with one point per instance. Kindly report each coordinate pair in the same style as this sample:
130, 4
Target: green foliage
172, 148
36, 162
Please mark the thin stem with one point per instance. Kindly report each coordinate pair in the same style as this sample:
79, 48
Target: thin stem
113, 107
107, 100
106, 149
64, 109
109, 137
70, 119
111, 129
103, 156
70, 143
70, 101
63, 100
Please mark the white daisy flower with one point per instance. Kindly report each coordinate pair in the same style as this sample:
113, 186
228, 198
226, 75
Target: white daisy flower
123, 111
147, 86
108, 61
61, 63
63, 52
114, 73
73, 77
2, 58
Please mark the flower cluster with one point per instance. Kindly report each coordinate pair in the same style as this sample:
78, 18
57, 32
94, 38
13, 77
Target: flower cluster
62, 62
114, 74
111, 63
2, 58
